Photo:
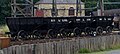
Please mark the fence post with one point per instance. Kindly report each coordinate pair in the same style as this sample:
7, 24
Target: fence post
33, 51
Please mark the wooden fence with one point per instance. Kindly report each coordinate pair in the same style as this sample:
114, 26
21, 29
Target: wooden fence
65, 47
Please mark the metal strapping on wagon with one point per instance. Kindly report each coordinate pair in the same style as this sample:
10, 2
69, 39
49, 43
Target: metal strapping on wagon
25, 27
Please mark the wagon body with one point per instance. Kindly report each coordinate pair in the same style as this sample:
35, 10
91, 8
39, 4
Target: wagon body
43, 24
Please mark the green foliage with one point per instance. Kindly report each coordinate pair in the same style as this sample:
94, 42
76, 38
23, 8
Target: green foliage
36, 1
4, 10
83, 50
93, 3
4, 28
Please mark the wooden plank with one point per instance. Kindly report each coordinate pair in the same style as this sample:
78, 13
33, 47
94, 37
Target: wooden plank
75, 47
94, 44
71, 47
100, 43
91, 44
77, 44
88, 43
57, 48
17, 49
118, 39
22, 49
52, 49
1, 52
49, 48
31, 49
45, 48
103, 42
14, 49
65, 43
62, 47
69, 43
81, 43
25, 49
109, 41
65, 47
5, 51
41, 48
38, 49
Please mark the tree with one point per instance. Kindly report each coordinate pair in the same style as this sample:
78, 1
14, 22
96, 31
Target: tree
93, 3
112, 6
35, 1
4, 10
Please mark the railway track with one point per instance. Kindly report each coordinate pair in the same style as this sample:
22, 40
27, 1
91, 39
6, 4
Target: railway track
34, 41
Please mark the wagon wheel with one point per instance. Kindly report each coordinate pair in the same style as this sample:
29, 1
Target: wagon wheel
22, 34
88, 31
63, 32
13, 37
77, 31
51, 33
99, 30
37, 34
108, 29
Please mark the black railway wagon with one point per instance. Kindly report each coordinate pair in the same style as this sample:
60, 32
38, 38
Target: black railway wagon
53, 27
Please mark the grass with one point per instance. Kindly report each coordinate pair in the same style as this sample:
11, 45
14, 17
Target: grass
100, 51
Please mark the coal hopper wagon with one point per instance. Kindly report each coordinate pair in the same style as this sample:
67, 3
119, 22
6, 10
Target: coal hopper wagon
53, 27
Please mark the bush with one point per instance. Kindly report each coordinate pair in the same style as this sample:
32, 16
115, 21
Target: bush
4, 28
83, 50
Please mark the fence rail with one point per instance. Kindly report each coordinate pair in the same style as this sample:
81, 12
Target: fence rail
65, 47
